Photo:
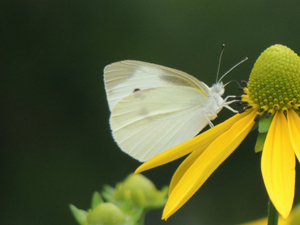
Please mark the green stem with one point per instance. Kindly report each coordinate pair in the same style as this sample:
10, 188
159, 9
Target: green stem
272, 214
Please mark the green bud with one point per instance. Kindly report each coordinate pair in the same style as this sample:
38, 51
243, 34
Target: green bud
139, 190
106, 214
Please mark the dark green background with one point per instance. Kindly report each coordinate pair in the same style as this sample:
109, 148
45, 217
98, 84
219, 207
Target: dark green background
56, 145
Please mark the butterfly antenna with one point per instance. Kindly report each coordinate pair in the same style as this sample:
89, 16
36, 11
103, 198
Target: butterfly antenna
232, 68
222, 50
234, 81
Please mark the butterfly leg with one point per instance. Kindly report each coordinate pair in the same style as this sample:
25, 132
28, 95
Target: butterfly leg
228, 107
226, 104
230, 96
209, 122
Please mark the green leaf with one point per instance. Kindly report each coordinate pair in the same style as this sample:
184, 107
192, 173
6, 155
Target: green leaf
260, 142
264, 124
79, 214
255, 126
137, 214
134, 211
96, 200
108, 193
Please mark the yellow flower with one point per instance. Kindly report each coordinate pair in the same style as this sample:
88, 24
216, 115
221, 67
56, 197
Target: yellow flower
273, 91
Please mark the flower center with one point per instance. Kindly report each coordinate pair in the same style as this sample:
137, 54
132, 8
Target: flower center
274, 82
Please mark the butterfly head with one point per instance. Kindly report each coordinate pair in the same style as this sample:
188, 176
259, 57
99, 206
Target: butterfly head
218, 88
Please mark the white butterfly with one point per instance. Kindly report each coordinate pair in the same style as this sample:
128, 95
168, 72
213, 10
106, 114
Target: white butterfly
154, 108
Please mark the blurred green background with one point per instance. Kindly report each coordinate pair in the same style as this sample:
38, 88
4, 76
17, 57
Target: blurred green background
56, 145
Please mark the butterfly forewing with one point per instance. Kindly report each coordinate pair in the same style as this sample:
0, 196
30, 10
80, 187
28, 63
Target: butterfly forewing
125, 77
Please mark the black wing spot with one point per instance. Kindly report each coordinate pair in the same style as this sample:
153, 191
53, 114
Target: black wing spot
136, 89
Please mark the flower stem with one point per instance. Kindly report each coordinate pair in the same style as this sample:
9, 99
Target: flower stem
142, 218
272, 214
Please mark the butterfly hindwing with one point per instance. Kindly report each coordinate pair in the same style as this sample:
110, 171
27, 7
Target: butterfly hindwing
148, 122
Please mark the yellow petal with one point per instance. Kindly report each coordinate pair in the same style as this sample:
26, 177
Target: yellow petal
185, 148
207, 163
184, 166
278, 165
294, 131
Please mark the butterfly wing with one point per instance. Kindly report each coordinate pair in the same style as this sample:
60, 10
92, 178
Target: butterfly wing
150, 121
125, 77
